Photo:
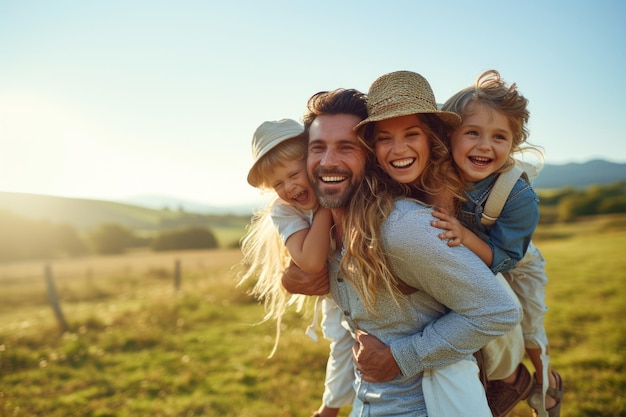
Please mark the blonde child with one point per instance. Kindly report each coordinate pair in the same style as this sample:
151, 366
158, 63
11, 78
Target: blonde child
406, 132
493, 129
293, 227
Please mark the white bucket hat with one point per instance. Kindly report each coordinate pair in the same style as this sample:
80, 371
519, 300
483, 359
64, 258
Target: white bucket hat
266, 137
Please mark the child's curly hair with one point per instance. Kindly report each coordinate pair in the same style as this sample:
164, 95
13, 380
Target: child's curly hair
491, 90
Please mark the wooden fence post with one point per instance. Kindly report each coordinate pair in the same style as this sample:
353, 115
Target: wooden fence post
54, 299
177, 275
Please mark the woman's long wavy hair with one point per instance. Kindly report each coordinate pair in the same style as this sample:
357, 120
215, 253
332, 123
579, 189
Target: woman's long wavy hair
364, 263
440, 181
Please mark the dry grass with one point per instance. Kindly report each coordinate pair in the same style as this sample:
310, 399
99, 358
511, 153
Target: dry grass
139, 262
137, 347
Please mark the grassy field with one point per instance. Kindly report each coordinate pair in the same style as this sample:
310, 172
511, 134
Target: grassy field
139, 347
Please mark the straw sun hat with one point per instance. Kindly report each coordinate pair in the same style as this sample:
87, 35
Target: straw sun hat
402, 93
268, 136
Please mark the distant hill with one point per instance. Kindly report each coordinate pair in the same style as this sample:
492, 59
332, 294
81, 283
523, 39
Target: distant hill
155, 213
577, 175
87, 214
580, 175
159, 202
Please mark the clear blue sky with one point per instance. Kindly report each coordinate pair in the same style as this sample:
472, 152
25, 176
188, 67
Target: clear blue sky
109, 99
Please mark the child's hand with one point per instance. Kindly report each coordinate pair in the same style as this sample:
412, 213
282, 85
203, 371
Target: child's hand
454, 231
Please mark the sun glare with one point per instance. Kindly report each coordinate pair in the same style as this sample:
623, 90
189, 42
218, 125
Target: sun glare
48, 148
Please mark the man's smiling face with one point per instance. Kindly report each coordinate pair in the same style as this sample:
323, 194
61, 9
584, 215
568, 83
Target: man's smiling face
336, 158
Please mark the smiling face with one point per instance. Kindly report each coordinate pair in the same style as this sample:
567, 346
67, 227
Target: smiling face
292, 185
402, 147
336, 158
482, 144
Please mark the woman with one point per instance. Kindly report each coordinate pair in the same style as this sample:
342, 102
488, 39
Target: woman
412, 302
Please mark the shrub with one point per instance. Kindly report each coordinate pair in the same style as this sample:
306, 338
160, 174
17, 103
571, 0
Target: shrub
191, 238
111, 238
23, 238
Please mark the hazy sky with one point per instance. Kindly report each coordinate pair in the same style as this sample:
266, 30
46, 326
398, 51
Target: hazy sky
110, 99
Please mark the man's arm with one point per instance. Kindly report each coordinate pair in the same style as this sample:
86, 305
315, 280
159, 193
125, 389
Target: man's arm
374, 359
296, 281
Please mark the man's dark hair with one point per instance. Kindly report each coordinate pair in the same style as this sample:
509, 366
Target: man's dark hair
339, 101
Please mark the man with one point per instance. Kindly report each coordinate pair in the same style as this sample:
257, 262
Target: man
335, 162
336, 165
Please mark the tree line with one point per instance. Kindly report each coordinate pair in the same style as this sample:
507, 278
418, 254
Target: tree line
22, 238
568, 204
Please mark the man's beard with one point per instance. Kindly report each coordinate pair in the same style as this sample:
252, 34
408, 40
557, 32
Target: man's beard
333, 199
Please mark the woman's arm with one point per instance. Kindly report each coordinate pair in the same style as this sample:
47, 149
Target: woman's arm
480, 309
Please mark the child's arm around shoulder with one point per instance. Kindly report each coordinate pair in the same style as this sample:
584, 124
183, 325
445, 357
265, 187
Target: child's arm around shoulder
309, 247
456, 234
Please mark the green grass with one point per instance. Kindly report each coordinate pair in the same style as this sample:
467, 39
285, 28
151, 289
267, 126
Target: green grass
228, 237
139, 348
586, 296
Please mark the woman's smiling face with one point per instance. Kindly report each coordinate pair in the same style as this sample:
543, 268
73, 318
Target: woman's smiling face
402, 147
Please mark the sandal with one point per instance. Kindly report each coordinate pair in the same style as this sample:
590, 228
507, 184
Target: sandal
534, 399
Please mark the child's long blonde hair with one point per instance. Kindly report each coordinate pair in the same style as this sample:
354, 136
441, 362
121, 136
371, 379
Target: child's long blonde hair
265, 256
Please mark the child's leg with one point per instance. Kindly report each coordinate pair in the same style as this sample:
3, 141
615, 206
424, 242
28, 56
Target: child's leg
509, 381
339, 383
534, 354
528, 280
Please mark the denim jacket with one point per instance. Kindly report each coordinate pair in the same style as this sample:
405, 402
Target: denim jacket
509, 237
